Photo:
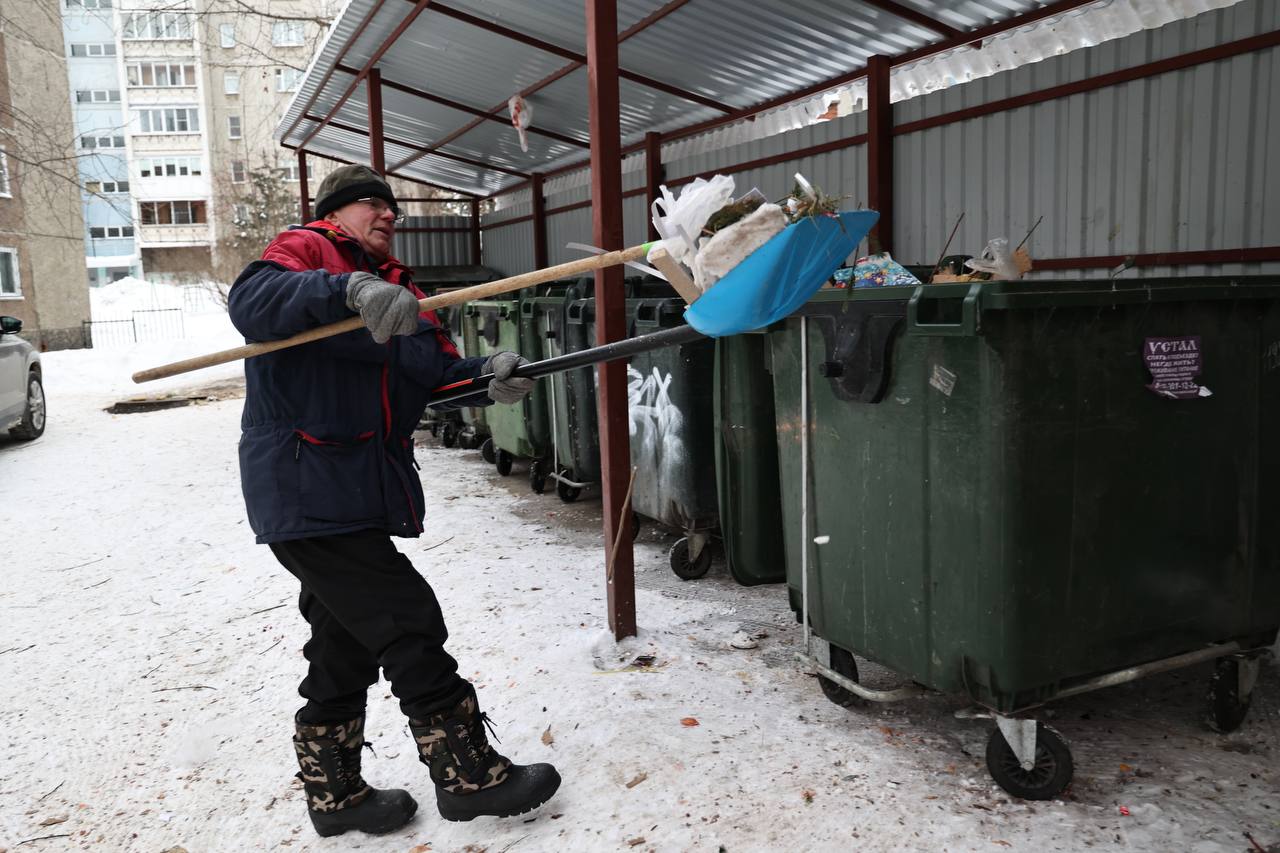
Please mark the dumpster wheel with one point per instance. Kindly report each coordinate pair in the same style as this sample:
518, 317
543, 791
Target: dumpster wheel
1050, 775
567, 493
685, 568
1231, 692
503, 461
538, 476
486, 451
843, 663
448, 435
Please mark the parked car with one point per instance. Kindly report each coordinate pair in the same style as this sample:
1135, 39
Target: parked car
22, 409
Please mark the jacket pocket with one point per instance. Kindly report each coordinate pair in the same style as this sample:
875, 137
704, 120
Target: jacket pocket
339, 480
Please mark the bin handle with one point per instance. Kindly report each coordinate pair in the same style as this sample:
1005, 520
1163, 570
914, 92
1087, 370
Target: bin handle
970, 314
647, 313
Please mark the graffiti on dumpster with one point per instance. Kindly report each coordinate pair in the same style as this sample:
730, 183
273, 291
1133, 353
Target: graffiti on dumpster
649, 400
1174, 364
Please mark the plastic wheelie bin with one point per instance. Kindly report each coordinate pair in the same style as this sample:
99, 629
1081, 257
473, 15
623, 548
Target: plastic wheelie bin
1024, 491
446, 425
672, 425
746, 450
475, 426
519, 430
570, 396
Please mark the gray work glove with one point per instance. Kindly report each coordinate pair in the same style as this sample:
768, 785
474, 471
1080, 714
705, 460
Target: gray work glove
505, 388
387, 309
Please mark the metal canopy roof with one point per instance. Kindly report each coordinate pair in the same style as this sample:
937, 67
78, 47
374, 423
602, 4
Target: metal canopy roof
448, 68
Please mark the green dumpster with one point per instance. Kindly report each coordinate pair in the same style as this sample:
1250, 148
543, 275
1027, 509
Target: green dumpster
672, 431
746, 457
570, 396
475, 428
446, 425
1022, 491
518, 430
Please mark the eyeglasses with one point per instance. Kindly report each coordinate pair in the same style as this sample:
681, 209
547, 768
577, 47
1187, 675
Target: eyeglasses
381, 206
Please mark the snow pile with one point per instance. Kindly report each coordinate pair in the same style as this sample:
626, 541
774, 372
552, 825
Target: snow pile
204, 328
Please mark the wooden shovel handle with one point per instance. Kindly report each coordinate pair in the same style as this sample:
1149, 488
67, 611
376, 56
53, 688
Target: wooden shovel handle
430, 303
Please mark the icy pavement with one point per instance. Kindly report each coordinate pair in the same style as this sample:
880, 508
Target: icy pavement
149, 656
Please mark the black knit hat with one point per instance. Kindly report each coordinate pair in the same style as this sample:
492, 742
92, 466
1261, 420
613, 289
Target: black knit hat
348, 183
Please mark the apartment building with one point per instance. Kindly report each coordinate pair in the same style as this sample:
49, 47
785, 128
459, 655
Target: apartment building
42, 280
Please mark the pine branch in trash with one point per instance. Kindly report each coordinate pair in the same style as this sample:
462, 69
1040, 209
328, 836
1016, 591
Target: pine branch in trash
800, 205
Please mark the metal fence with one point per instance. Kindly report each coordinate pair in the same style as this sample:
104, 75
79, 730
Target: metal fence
158, 324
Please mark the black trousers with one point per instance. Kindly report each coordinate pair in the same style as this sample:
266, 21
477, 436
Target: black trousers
368, 608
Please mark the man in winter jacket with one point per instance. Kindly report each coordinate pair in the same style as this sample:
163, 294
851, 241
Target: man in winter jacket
327, 468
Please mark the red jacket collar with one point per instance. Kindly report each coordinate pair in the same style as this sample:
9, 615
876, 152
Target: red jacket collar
334, 232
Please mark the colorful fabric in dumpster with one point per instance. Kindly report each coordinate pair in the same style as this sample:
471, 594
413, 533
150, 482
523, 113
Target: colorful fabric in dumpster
880, 271
780, 276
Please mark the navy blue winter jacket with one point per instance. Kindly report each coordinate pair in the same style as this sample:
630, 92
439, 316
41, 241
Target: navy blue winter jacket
327, 428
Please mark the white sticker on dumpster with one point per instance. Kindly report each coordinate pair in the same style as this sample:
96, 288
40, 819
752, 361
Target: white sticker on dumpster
942, 379
1175, 364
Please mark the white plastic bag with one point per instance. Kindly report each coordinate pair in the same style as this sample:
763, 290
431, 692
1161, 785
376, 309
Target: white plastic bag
997, 260
521, 116
679, 221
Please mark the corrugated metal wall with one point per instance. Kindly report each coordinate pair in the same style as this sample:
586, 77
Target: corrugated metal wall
1172, 163
436, 249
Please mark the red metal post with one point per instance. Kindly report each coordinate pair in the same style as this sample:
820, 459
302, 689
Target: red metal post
377, 145
539, 203
606, 210
476, 258
653, 174
880, 151
303, 188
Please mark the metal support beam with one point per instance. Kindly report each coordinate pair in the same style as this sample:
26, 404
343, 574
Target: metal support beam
653, 174
539, 206
333, 158
880, 152
908, 14
476, 259
606, 216
377, 144
404, 143
304, 188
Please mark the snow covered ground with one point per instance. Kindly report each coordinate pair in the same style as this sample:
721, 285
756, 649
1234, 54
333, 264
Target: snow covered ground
149, 656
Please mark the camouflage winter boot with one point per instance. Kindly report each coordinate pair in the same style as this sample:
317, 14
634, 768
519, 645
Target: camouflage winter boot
471, 778
338, 798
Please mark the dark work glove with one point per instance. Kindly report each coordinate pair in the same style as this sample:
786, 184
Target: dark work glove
387, 309
505, 388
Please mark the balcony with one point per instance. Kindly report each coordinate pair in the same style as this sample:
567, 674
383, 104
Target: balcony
167, 143
161, 236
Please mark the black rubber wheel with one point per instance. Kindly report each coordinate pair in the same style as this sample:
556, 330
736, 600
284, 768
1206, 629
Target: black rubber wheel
33, 416
448, 435
684, 568
503, 462
538, 476
567, 493
1227, 708
487, 452
842, 662
434, 429
1051, 774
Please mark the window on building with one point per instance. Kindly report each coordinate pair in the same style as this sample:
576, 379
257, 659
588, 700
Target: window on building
94, 50
161, 74
238, 172
89, 143
156, 26
111, 232
227, 35
97, 96
169, 120
287, 34
288, 79
5, 190
9, 284
172, 212
230, 83
289, 169
106, 187
168, 167
233, 127
89, 4
239, 214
